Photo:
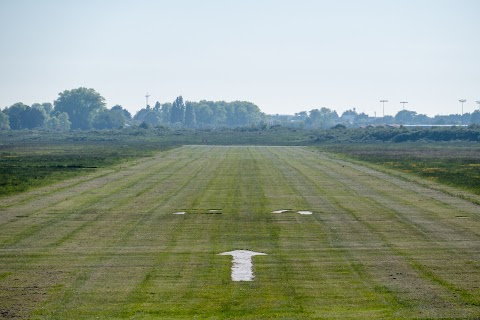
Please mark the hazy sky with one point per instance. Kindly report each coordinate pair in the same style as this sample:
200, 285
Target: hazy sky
284, 56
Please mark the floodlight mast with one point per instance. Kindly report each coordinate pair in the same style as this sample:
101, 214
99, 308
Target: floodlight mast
462, 101
146, 98
403, 104
383, 106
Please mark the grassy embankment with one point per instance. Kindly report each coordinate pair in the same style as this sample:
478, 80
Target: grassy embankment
375, 247
453, 164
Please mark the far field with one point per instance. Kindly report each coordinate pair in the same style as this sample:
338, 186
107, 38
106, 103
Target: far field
107, 245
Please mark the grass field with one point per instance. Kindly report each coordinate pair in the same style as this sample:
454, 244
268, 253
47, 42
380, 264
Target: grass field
107, 244
453, 164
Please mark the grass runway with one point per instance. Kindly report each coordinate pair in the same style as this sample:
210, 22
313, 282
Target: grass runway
108, 246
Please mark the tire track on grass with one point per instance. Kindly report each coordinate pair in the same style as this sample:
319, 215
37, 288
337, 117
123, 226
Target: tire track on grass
50, 196
97, 259
465, 296
96, 199
417, 193
386, 303
45, 254
144, 293
464, 244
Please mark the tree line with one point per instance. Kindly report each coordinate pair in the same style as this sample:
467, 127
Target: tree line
203, 114
326, 118
86, 109
80, 108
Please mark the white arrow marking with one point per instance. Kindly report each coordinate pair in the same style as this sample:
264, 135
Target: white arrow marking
305, 212
242, 264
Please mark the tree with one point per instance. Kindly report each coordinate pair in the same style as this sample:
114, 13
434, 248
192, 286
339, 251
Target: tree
219, 114
14, 113
475, 118
241, 116
190, 119
33, 118
178, 111
323, 118
157, 106
81, 105
405, 116
126, 114
165, 112
152, 118
63, 121
4, 121
109, 119
59, 122
22, 116
204, 114
140, 115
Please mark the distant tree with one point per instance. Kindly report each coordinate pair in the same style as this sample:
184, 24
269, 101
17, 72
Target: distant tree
165, 113
204, 114
219, 114
475, 117
59, 122
14, 113
466, 118
303, 115
139, 116
421, 119
109, 119
157, 106
313, 118
439, 121
22, 116
63, 121
405, 117
178, 111
190, 119
82, 105
4, 121
348, 117
48, 107
126, 114
240, 116
323, 118
33, 118
350, 112
46, 110
388, 120
152, 118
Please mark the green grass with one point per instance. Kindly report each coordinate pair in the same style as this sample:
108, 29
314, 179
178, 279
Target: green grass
107, 245
31, 159
26, 165
453, 164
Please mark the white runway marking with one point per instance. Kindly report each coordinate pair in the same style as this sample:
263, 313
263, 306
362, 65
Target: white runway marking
242, 266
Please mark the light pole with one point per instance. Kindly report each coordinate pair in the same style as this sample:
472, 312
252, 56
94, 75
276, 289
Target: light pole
146, 98
403, 104
462, 101
383, 106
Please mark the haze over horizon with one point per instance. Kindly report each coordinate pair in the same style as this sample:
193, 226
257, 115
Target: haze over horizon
284, 56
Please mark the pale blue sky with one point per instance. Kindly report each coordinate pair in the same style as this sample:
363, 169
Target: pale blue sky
285, 56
